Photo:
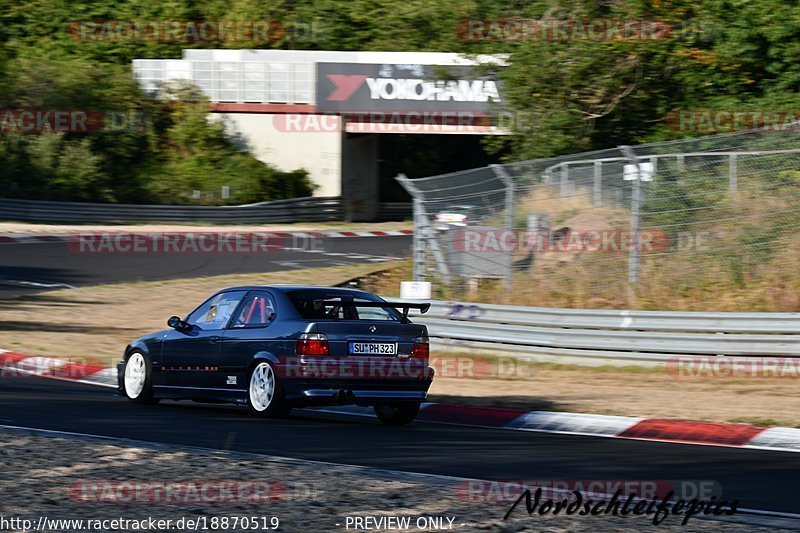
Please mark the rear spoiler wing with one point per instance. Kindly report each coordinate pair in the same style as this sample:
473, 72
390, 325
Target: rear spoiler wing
405, 306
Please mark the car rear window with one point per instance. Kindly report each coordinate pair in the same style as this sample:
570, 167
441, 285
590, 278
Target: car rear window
310, 306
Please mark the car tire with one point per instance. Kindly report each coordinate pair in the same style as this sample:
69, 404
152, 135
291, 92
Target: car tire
265, 395
398, 414
137, 383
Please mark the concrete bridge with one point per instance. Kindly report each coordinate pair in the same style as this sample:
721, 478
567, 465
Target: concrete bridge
327, 111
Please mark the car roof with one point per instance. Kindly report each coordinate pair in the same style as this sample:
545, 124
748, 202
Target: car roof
286, 288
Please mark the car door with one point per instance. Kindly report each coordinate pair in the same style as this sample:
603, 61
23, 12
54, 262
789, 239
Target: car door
190, 357
250, 332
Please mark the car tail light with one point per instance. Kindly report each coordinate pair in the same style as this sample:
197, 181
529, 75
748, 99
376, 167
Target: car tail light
312, 344
421, 348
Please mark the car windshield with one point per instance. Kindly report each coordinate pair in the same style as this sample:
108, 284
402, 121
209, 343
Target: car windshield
215, 312
310, 306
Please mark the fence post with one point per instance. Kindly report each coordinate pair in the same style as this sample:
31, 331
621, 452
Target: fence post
418, 252
419, 242
564, 178
636, 201
508, 182
733, 184
598, 184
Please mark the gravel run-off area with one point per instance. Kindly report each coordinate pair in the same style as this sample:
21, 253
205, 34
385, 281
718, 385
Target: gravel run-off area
67, 477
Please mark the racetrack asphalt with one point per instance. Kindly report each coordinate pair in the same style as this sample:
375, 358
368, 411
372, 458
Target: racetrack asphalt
31, 267
759, 479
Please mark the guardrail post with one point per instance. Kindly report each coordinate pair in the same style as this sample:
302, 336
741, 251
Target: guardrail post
733, 184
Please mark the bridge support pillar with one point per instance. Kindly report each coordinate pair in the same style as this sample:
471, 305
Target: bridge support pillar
360, 181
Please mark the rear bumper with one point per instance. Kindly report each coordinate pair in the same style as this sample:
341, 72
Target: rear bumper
359, 392
364, 396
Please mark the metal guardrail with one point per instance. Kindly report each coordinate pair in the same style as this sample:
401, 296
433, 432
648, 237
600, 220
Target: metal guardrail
394, 211
652, 336
309, 209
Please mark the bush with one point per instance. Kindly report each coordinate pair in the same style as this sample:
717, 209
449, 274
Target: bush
168, 149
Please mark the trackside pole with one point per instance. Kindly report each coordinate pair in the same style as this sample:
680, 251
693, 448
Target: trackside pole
636, 202
508, 182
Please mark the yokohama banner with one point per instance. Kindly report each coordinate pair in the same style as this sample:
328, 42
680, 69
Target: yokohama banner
358, 87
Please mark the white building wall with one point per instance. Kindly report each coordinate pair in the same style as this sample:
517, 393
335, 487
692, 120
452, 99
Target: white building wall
319, 152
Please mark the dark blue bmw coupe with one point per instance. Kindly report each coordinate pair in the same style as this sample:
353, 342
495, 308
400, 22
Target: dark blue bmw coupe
278, 347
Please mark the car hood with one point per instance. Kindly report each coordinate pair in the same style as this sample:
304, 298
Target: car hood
150, 337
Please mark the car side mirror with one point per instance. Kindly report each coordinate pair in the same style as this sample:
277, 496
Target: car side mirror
176, 322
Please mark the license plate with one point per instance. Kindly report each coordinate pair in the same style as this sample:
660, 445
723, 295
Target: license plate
373, 348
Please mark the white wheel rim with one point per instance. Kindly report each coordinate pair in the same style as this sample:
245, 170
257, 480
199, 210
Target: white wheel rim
262, 387
135, 374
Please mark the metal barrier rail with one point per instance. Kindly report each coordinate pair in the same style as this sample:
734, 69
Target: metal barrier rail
631, 335
310, 209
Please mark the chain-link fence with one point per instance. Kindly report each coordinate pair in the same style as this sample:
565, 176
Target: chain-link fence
704, 223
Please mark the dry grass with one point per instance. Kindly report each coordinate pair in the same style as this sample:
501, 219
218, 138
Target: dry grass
574, 210
747, 260
671, 283
96, 323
